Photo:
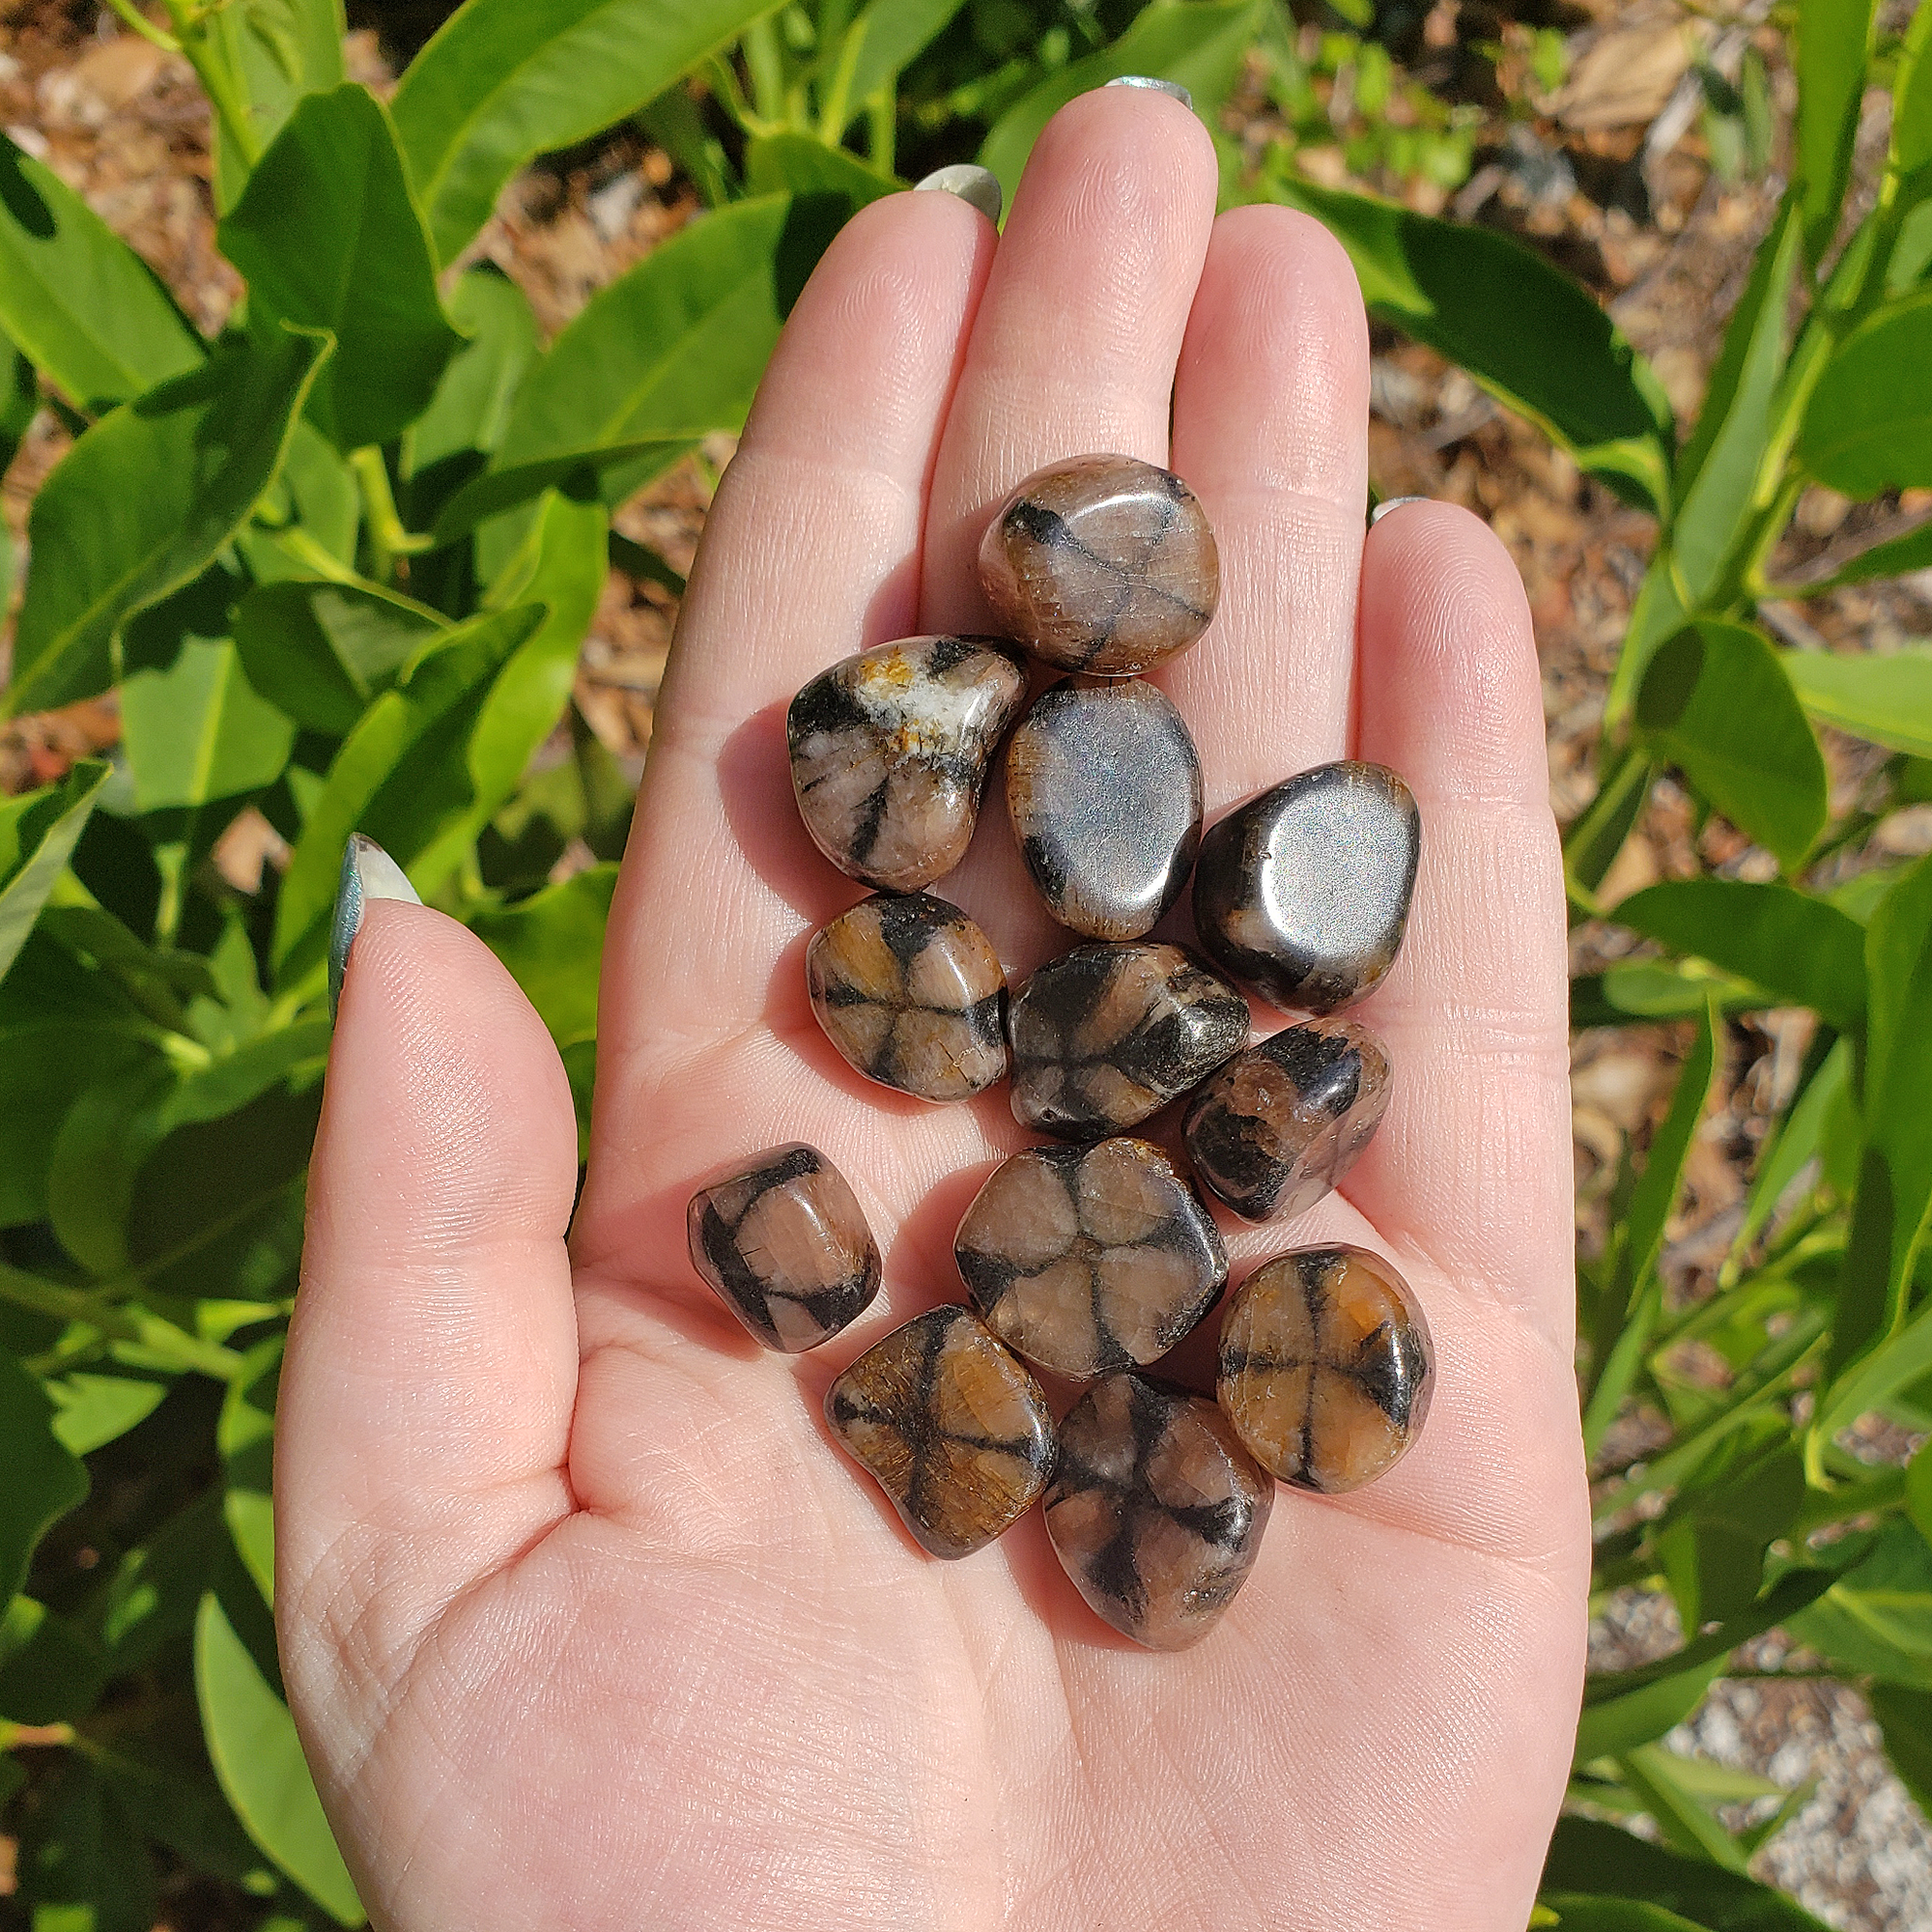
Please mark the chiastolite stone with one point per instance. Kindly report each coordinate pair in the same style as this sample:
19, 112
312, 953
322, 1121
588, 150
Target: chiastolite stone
784, 1242
1326, 1366
889, 751
1101, 564
950, 1424
911, 992
1156, 1509
1279, 1127
1105, 1036
1303, 893
1103, 788
1091, 1259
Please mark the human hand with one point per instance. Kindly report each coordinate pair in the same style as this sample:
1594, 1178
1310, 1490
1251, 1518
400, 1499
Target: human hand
585, 1621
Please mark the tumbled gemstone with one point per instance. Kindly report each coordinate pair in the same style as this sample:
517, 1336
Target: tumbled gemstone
1156, 1509
1275, 1129
1091, 1259
1103, 788
889, 751
1326, 1366
1102, 564
951, 1425
911, 992
1303, 893
1105, 1036
784, 1242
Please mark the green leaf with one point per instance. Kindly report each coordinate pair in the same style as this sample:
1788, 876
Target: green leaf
793, 163
1716, 702
315, 489
1798, 1141
75, 300
1830, 56
252, 1744
1575, 1913
328, 238
504, 80
1886, 698
320, 652
1535, 339
1199, 46
19, 398
279, 51
1912, 99
1800, 949
579, 473
1713, 1546
552, 942
1646, 1711
1905, 1716
45, 1479
245, 1436
1682, 1816
1896, 557
37, 833
83, 1869
198, 734
884, 39
92, 1410
1868, 425
1876, 1620
142, 503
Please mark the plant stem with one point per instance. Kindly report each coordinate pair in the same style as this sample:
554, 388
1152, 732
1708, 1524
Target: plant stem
765, 64
388, 540
133, 18
882, 131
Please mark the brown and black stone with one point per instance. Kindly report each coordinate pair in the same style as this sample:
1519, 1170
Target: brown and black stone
1326, 1366
1106, 1035
1103, 789
889, 751
1104, 565
1088, 1260
1303, 893
1156, 1509
952, 1427
784, 1242
1280, 1126
912, 993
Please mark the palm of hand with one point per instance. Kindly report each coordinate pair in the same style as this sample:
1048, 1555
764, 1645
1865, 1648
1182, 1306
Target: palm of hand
585, 1622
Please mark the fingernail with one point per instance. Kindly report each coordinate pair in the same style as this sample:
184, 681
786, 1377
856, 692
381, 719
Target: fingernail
1173, 87
977, 186
368, 872
1382, 509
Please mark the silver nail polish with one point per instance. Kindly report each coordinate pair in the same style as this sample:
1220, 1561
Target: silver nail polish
368, 872
977, 186
1173, 87
1382, 508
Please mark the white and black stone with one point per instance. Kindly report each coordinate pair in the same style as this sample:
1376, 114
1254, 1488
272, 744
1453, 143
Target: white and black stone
1103, 790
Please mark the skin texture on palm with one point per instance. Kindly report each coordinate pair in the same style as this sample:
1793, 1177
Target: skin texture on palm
585, 1623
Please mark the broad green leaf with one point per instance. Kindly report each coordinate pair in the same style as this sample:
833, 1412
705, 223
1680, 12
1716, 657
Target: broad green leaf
251, 1741
578, 472
1798, 1141
75, 300
1713, 1546
504, 80
1829, 55
142, 503
1575, 1913
1912, 99
399, 776
1868, 425
19, 398
1201, 47
793, 163
883, 39
1905, 1716
552, 942
198, 734
1716, 702
245, 1436
1877, 1619
1659, 989
1645, 1712
1685, 1819
320, 652
1586, 1857
44, 1478
1800, 949
277, 50
38, 831
316, 489
92, 1410
83, 1868
328, 238
1884, 698
1536, 340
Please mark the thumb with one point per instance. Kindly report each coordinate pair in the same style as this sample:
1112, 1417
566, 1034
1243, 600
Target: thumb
424, 1415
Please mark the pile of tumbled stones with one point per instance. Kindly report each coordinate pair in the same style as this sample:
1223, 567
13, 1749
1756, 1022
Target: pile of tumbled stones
1094, 1258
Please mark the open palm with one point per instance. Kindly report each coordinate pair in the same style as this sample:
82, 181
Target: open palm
586, 1622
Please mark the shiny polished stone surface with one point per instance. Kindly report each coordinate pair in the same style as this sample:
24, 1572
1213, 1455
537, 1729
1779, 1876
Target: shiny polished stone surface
1156, 1509
786, 1244
889, 751
1102, 564
1303, 893
1275, 1129
1091, 1259
951, 1425
1105, 1036
911, 992
1326, 1366
1103, 789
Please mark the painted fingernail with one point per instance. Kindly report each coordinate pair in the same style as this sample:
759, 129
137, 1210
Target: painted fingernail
1173, 87
977, 186
1382, 509
368, 872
